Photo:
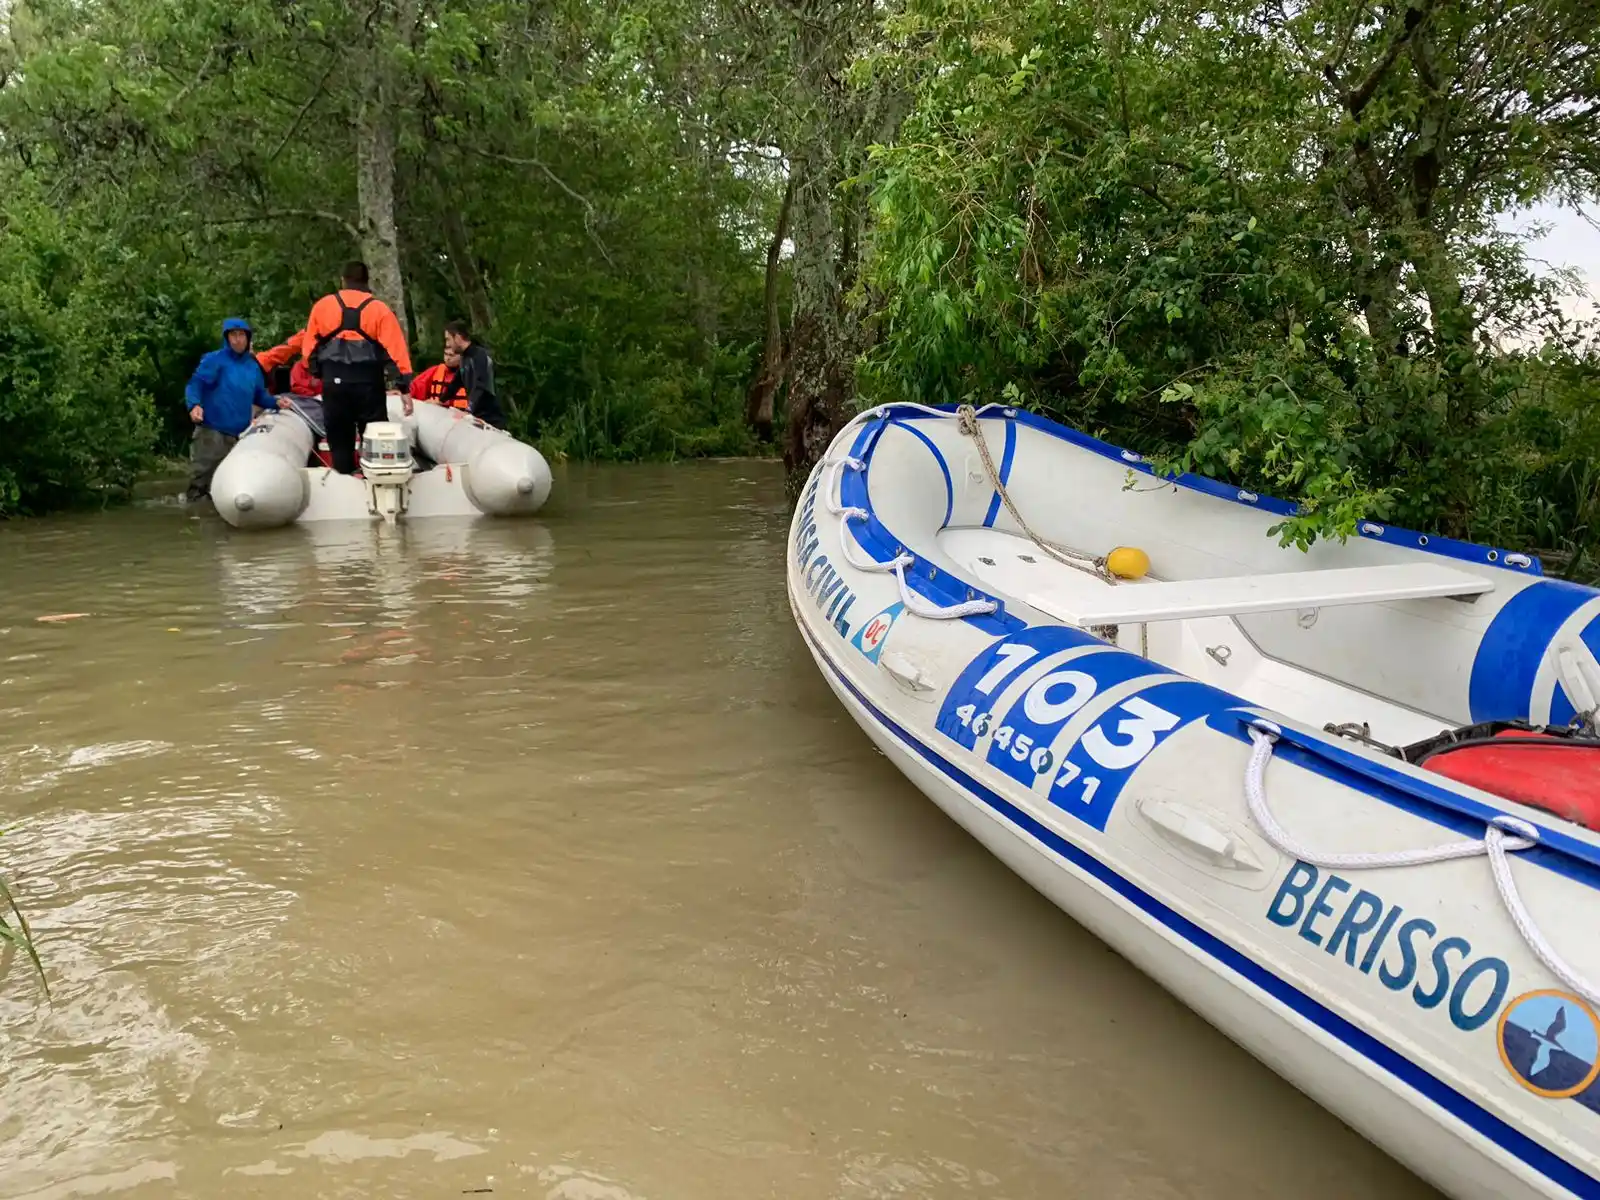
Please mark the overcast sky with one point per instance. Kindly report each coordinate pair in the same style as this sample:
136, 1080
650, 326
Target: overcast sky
1571, 242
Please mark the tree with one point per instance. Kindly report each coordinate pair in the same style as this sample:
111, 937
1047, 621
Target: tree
1159, 223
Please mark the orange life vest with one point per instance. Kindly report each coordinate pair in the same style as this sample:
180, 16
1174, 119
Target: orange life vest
445, 388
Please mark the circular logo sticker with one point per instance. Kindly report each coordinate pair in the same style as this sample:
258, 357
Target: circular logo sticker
1550, 1042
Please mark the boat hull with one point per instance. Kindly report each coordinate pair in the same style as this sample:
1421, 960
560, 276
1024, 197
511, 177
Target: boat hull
1400, 1028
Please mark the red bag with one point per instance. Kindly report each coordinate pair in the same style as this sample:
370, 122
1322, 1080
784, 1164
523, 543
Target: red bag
1562, 778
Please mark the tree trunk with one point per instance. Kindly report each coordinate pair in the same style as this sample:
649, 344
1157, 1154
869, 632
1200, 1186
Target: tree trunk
380, 240
1454, 325
821, 366
1378, 293
760, 400
703, 299
470, 280
824, 337
375, 175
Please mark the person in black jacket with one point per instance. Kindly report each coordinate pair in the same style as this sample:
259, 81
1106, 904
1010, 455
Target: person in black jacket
476, 375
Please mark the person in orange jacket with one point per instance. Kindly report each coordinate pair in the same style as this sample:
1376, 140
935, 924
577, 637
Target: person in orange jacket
280, 355
301, 381
349, 341
440, 384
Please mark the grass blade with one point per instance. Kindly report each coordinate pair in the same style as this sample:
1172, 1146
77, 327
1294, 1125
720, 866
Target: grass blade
21, 935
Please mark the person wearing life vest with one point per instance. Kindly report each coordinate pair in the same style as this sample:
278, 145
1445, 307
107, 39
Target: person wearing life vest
439, 384
350, 339
476, 374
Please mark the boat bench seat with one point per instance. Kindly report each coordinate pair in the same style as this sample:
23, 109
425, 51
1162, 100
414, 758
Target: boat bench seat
1180, 600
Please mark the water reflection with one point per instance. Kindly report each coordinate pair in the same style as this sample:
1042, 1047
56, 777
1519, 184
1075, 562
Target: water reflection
362, 570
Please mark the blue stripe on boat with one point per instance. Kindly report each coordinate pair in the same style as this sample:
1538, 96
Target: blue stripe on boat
1394, 535
944, 467
1006, 456
1513, 646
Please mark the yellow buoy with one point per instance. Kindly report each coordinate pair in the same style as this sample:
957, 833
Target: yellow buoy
1128, 562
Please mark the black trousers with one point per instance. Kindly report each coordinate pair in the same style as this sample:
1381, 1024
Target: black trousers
348, 407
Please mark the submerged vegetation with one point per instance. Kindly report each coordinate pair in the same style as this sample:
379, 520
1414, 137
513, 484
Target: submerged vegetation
1267, 242
16, 935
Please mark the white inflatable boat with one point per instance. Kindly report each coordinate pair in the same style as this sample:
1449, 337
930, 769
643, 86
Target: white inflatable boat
1249, 769
265, 481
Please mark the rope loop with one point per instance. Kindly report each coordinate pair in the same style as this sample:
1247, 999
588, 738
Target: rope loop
1502, 835
833, 499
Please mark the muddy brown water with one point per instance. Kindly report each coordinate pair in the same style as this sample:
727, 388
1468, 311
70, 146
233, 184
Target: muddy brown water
535, 859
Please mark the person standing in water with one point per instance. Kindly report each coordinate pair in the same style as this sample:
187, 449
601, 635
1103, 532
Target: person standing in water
223, 395
350, 339
475, 375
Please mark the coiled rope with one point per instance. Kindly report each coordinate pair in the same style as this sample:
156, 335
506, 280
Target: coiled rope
1503, 835
967, 422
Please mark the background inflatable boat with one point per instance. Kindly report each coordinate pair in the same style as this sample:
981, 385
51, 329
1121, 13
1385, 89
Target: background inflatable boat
479, 470
1216, 766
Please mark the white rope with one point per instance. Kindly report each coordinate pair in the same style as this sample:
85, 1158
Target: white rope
832, 497
882, 409
1502, 835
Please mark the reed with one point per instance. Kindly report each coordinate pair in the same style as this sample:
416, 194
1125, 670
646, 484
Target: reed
14, 931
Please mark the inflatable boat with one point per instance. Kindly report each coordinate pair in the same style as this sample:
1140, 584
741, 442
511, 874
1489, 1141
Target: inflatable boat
1341, 802
280, 471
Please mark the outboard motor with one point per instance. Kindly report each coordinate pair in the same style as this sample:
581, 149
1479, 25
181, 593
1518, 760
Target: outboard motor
386, 466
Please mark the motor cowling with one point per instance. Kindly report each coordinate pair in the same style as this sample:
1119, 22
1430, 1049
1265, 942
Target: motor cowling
386, 451
386, 467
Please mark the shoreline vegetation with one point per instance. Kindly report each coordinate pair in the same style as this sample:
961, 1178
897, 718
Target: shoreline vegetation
1267, 244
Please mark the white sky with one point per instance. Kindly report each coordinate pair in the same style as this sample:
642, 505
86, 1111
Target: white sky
1571, 242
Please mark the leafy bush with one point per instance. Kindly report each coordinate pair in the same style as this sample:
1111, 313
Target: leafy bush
76, 418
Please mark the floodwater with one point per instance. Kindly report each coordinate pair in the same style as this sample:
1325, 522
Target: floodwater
535, 859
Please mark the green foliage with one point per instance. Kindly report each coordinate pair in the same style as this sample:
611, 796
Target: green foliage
1253, 241
653, 408
75, 413
1168, 226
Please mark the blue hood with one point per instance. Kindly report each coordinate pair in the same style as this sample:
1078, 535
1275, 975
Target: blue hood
228, 386
233, 323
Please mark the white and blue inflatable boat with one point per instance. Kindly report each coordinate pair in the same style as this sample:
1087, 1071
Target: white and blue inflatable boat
1341, 802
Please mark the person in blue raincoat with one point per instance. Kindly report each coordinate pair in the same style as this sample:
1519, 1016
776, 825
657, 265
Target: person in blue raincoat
223, 395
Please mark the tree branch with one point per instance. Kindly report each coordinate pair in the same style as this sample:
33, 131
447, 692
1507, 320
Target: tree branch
291, 214
589, 210
1359, 97
1332, 67
183, 92
316, 94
